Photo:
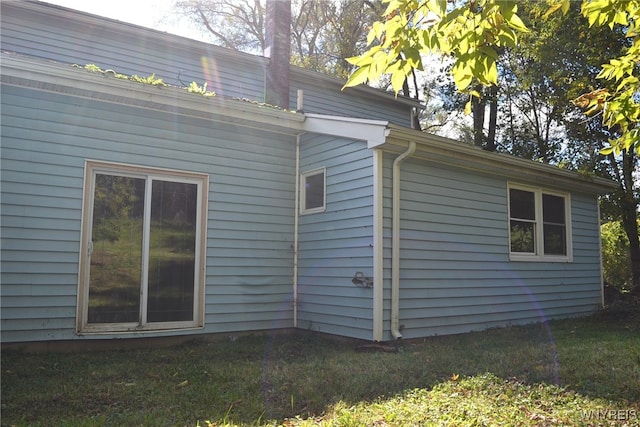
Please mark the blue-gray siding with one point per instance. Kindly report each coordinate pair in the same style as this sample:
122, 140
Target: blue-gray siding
337, 243
46, 138
66, 36
456, 275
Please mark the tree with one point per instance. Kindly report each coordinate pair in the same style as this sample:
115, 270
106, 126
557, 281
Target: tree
616, 263
323, 32
234, 24
540, 78
473, 31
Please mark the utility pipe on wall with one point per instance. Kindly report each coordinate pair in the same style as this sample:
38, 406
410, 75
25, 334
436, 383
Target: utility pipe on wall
395, 241
296, 226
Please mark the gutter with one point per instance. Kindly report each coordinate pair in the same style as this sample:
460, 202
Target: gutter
395, 242
22, 71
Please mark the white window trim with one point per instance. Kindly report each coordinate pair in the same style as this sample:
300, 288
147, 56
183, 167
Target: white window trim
303, 191
202, 181
539, 255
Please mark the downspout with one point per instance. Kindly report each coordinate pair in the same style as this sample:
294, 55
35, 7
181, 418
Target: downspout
378, 246
395, 242
295, 234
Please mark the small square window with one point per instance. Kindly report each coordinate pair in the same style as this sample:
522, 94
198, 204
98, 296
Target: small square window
312, 191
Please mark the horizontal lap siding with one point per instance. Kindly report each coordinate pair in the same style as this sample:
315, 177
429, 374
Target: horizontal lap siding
455, 270
327, 98
335, 244
46, 138
129, 50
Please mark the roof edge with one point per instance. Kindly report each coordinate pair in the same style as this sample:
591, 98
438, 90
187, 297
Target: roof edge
61, 78
455, 153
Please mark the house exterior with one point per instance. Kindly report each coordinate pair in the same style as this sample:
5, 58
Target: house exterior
130, 210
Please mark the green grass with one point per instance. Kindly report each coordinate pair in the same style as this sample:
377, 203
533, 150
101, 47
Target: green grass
543, 374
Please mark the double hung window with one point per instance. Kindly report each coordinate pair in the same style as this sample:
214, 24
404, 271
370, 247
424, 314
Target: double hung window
143, 246
539, 225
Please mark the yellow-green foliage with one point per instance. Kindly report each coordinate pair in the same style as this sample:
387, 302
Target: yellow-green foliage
149, 80
200, 90
616, 262
473, 31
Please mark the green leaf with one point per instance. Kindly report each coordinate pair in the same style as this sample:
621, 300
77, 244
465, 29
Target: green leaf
516, 23
606, 151
467, 107
507, 38
397, 80
492, 73
490, 52
359, 76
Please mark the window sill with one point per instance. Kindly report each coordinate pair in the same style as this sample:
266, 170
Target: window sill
111, 329
539, 258
312, 211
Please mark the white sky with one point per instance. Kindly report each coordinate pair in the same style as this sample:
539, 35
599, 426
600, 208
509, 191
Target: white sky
156, 14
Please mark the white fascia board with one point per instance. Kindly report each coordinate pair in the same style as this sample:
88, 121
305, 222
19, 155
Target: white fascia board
454, 153
375, 132
23, 71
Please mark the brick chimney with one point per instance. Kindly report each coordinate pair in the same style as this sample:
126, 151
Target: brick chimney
278, 50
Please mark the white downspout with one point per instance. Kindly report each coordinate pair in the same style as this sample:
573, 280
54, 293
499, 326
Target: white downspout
295, 234
395, 241
378, 246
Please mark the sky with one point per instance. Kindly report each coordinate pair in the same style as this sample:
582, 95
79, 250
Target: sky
156, 14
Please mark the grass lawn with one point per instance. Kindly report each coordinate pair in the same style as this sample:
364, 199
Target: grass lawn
569, 372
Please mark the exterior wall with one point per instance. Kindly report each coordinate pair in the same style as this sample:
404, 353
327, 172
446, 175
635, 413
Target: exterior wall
66, 36
456, 275
352, 102
46, 138
337, 243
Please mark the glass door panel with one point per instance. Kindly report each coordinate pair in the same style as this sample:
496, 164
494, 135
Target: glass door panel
116, 260
172, 252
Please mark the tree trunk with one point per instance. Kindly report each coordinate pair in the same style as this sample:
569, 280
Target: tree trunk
493, 119
477, 105
629, 206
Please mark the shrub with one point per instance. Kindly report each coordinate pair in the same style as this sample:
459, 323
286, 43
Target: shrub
616, 261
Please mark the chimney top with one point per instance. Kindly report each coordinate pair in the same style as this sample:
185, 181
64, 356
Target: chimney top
278, 50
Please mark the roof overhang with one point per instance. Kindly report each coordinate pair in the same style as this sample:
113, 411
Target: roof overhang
460, 155
41, 75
